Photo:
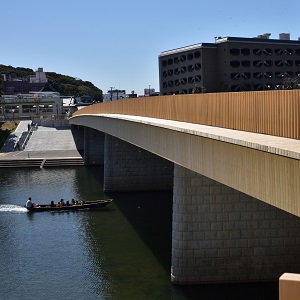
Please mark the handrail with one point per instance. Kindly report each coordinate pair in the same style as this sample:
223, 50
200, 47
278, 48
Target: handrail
269, 112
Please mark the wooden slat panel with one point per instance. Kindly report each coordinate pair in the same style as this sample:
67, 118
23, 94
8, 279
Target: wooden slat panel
268, 112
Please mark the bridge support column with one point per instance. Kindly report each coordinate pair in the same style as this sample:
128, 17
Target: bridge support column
222, 235
93, 147
129, 168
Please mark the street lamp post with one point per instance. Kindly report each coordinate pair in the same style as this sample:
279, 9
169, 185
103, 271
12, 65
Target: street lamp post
13, 113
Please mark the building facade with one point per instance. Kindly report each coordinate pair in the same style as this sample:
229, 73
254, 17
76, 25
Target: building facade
13, 86
230, 64
29, 106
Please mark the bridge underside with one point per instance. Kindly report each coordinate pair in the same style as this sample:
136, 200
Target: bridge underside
221, 231
227, 156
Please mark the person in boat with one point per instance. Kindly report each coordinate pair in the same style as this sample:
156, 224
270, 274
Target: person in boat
62, 203
52, 204
68, 203
73, 201
29, 203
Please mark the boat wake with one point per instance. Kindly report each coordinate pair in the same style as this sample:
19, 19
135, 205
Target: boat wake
12, 208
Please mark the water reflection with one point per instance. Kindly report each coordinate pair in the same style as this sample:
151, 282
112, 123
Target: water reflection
120, 252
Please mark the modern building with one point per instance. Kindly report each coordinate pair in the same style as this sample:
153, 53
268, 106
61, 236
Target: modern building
230, 64
30, 106
115, 95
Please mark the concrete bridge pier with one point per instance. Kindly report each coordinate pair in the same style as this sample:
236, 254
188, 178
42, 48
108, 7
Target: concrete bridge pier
93, 147
130, 168
222, 235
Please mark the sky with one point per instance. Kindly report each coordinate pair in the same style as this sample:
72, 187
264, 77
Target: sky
116, 43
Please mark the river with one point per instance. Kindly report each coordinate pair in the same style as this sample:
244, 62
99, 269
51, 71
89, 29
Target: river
120, 252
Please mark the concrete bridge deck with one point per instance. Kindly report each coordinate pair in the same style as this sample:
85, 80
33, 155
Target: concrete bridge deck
263, 166
268, 143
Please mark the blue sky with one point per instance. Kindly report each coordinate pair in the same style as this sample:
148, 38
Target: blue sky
116, 43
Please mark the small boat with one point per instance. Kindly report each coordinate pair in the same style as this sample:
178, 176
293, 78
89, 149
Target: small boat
80, 206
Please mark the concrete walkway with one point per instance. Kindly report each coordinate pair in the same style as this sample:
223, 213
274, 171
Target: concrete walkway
45, 143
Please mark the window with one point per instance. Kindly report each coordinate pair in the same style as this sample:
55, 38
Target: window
26, 109
257, 63
190, 56
246, 75
191, 79
197, 54
258, 75
235, 63
46, 108
267, 51
246, 63
268, 63
235, 76
183, 81
245, 51
198, 66
191, 68
177, 71
268, 75
198, 78
278, 51
234, 51
257, 51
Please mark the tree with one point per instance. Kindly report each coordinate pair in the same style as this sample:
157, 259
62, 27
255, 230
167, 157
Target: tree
291, 83
198, 89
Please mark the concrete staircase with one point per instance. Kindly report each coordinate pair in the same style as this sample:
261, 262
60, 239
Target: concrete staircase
52, 144
20, 163
41, 163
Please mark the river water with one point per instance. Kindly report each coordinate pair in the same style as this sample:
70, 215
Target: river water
119, 252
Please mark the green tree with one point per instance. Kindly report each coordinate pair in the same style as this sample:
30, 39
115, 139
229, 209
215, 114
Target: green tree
198, 89
70, 90
291, 83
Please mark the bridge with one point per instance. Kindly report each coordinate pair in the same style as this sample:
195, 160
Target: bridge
233, 162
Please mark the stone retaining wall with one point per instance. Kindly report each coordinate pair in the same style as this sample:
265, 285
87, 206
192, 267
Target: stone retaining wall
222, 235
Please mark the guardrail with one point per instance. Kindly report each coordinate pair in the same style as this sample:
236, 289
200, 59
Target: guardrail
269, 112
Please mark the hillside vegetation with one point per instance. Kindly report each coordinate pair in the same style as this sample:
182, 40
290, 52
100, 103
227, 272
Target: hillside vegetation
64, 84
5, 130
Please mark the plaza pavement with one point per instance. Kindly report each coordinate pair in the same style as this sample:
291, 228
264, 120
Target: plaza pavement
45, 142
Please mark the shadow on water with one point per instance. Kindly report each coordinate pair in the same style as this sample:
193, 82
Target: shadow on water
150, 215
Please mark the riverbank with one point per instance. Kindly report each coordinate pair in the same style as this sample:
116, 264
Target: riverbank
6, 129
44, 146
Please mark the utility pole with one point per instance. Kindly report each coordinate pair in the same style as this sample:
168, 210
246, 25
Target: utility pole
111, 88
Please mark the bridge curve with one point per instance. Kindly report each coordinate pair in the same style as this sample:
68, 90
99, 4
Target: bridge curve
224, 147
263, 166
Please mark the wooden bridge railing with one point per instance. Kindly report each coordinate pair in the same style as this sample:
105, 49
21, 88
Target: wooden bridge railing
268, 112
